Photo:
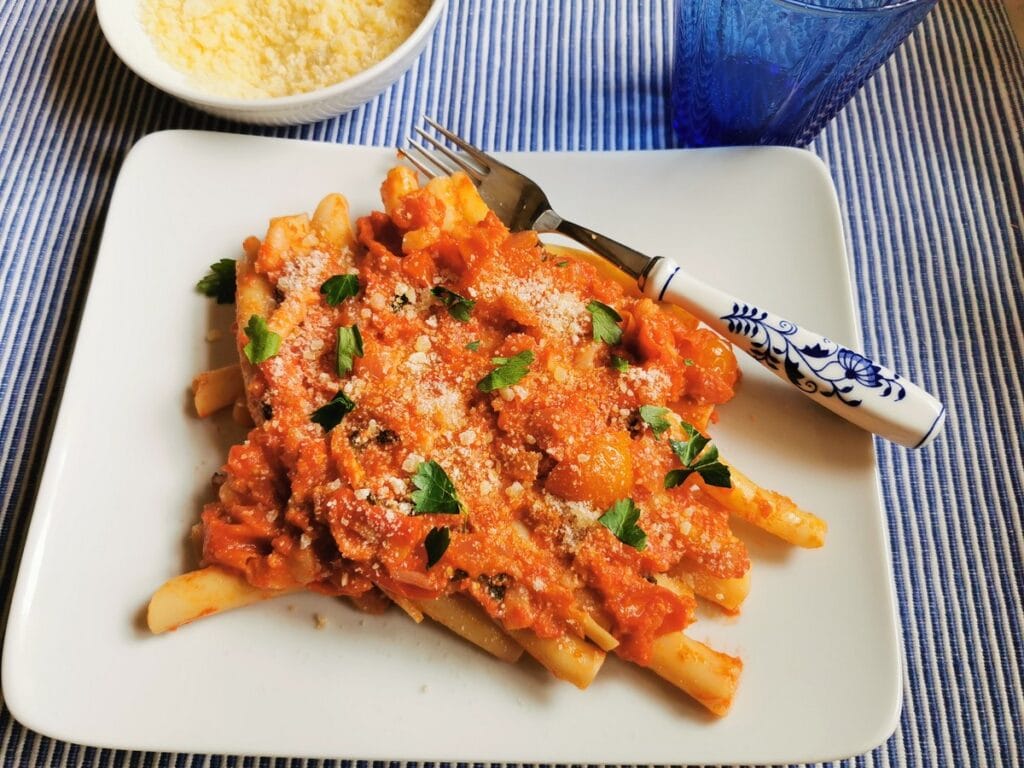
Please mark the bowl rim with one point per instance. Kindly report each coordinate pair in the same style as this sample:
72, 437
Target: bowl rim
198, 96
812, 6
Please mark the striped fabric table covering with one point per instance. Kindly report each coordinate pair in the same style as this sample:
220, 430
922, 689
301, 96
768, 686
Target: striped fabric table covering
928, 163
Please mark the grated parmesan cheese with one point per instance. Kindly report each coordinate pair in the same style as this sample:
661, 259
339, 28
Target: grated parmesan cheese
303, 274
264, 48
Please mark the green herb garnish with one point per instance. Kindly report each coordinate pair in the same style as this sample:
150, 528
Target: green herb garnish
338, 288
330, 415
621, 519
620, 364
350, 346
562, 263
263, 342
687, 361
219, 283
509, 371
654, 417
459, 307
435, 492
695, 458
473, 346
436, 544
605, 321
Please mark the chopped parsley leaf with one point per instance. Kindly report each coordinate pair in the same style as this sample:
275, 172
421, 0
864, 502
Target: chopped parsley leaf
473, 346
434, 491
688, 450
459, 307
219, 282
620, 364
687, 361
436, 544
605, 321
695, 458
564, 263
263, 342
621, 519
508, 372
654, 417
338, 288
330, 415
350, 346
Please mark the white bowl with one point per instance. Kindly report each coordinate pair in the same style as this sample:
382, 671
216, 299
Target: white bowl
119, 20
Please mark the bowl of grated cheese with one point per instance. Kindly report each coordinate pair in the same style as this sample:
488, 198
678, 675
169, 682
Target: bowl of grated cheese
270, 62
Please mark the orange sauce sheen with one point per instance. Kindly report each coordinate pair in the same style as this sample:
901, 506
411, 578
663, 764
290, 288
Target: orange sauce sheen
534, 465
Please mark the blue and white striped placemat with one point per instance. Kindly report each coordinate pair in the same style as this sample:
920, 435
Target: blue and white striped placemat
928, 161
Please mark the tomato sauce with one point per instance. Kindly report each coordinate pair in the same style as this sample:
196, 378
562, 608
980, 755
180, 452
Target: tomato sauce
534, 464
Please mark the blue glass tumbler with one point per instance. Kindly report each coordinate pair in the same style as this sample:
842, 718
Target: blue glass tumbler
775, 71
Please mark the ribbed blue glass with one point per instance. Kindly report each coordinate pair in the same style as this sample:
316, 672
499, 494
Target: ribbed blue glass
776, 71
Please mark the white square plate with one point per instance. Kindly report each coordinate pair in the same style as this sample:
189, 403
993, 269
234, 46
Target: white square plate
129, 468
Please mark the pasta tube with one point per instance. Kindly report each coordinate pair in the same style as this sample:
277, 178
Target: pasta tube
769, 510
205, 592
470, 622
567, 658
728, 593
216, 389
709, 676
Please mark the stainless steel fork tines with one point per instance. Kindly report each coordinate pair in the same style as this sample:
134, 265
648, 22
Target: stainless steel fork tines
517, 200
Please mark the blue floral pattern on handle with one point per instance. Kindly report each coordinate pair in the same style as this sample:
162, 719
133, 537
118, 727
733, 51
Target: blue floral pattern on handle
825, 368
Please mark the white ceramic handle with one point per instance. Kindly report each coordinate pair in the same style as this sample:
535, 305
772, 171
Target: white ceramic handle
847, 383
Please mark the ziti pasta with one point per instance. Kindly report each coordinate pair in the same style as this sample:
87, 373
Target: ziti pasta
499, 436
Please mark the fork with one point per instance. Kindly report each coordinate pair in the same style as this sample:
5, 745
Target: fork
845, 382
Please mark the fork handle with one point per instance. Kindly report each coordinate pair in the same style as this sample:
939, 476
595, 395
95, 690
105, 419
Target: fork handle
847, 383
